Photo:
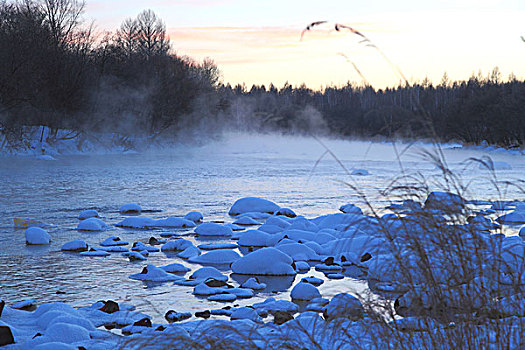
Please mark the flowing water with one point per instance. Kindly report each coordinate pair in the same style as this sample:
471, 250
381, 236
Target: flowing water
209, 178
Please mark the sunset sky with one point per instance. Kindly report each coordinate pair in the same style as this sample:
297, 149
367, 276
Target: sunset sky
258, 42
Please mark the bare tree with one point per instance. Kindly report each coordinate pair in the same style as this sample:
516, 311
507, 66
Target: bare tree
63, 17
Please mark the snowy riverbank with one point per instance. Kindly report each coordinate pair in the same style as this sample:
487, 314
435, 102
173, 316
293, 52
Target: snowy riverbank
454, 281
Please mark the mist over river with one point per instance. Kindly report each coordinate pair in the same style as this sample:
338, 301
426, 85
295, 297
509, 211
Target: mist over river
171, 182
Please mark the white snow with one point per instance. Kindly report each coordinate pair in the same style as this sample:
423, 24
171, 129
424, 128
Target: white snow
265, 261
113, 241
86, 214
175, 268
246, 221
37, 236
130, 208
253, 204
222, 256
178, 244
252, 283
351, 209
154, 274
224, 297
189, 252
75, 246
304, 291
92, 224
95, 252
298, 252
246, 313
195, 216
213, 229
208, 272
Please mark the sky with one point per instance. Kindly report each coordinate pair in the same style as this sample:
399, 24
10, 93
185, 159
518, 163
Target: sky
259, 42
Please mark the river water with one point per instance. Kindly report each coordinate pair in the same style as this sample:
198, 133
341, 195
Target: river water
209, 178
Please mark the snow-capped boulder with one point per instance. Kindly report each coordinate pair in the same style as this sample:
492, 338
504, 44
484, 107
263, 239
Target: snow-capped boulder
351, 209
344, 305
304, 291
216, 246
173, 222
134, 256
86, 214
95, 252
517, 217
253, 204
176, 245
113, 241
139, 247
298, 251
286, 212
189, 252
216, 257
522, 232
37, 236
136, 222
445, 201
252, 283
223, 297
272, 305
92, 224
208, 272
75, 246
175, 268
213, 229
246, 313
256, 238
265, 261
246, 221
131, 208
154, 274
194, 216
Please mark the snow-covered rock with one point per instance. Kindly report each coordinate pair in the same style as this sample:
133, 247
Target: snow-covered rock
154, 274
136, 222
194, 216
37, 236
216, 257
351, 209
246, 313
246, 221
176, 245
113, 241
224, 297
253, 204
298, 251
445, 201
92, 224
189, 252
344, 305
86, 214
175, 268
208, 272
173, 222
213, 229
134, 256
75, 246
252, 283
256, 238
265, 261
130, 208
95, 252
516, 217
216, 246
304, 291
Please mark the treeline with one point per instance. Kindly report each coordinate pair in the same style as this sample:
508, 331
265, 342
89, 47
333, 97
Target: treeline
54, 71
482, 109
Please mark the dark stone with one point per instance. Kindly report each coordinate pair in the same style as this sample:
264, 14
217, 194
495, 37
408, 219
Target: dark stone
37, 335
144, 271
92, 250
227, 307
153, 241
81, 348
160, 328
109, 307
60, 292
280, 317
173, 316
366, 257
212, 282
330, 261
343, 258
203, 314
6, 336
134, 245
2, 304
145, 322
